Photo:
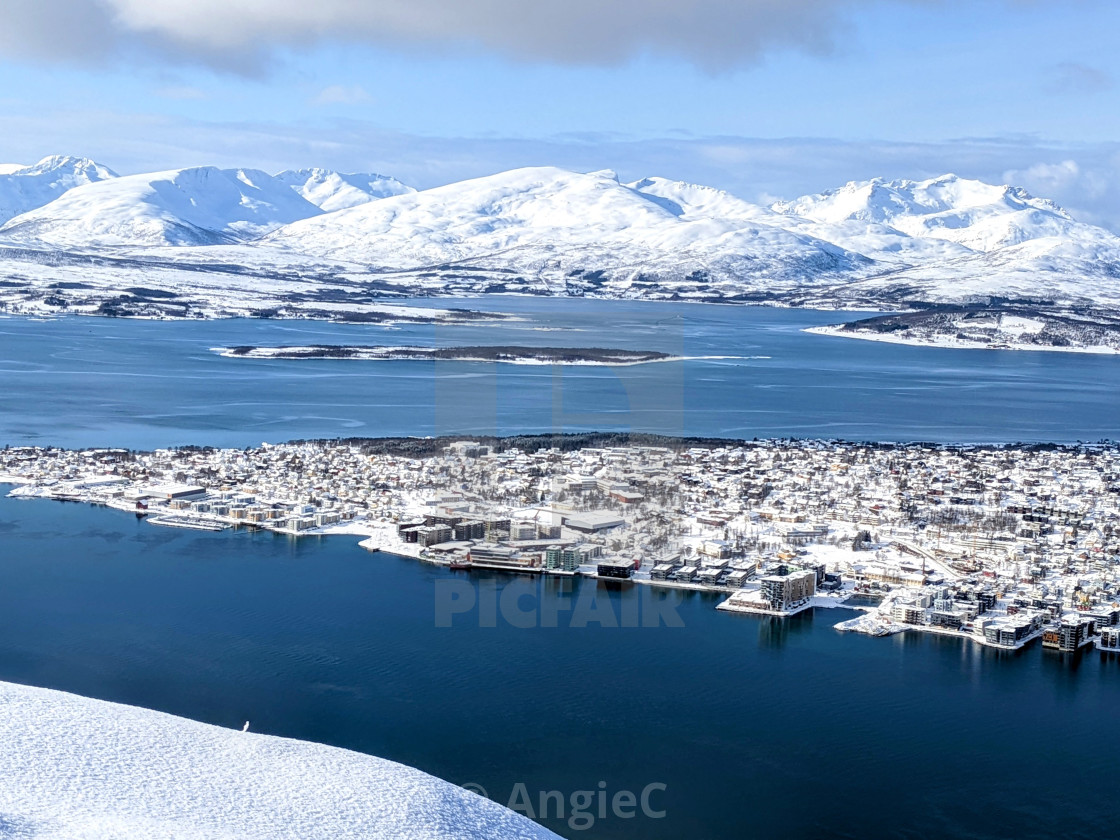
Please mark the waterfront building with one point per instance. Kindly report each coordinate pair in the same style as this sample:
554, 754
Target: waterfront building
1010, 631
908, 614
427, 535
615, 568
502, 557
736, 579
946, 618
1073, 632
1110, 638
562, 559
788, 588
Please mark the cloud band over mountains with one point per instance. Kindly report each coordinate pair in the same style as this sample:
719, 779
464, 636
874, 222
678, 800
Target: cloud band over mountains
241, 34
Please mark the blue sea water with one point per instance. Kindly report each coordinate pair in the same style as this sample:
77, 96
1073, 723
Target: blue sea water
757, 728
142, 384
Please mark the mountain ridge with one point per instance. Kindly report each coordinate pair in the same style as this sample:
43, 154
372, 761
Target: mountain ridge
24, 188
346, 240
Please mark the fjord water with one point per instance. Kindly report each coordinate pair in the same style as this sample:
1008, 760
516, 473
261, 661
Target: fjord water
141, 384
757, 728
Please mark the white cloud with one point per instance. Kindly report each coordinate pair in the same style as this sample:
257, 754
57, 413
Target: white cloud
1090, 189
56, 30
1073, 77
715, 34
341, 95
181, 92
1046, 178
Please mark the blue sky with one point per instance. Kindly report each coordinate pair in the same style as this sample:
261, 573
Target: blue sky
762, 97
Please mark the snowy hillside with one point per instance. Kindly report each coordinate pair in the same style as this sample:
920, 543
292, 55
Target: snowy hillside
1080, 268
198, 206
24, 188
317, 241
979, 216
80, 769
551, 222
330, 191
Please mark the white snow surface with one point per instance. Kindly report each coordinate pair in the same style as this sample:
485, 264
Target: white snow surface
74, 768
24, 188
330, 191
538, 217
197, 206
980, 216
552, 231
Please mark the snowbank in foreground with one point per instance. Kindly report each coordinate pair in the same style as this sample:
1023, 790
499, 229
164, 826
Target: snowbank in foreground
79, 769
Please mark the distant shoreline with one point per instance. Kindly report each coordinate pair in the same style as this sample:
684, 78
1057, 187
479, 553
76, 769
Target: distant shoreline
950, 343
506, 354
1009, 325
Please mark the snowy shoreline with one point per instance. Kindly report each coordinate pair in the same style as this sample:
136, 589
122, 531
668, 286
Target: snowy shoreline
951, 342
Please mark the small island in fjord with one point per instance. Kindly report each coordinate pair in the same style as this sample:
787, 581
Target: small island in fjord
505, 353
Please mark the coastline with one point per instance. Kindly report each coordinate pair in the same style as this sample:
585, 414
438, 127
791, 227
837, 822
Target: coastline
425, 354
383, 538
287, 499
952, 343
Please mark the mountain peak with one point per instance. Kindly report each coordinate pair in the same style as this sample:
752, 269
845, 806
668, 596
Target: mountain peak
192, 206
980, 216
84, 166
27, 188
329, 190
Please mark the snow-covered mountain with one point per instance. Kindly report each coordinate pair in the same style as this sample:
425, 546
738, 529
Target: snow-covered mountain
81, 768
197, 206
330, 191
978, 216
952, 239
24, 188
1079, 268
545, 230
551, 222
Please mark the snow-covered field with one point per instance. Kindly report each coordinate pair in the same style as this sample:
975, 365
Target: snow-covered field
73, 768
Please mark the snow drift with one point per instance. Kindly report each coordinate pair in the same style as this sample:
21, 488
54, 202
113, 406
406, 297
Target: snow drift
82, 769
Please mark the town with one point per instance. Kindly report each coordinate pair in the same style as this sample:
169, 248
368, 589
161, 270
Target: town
1001, 546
